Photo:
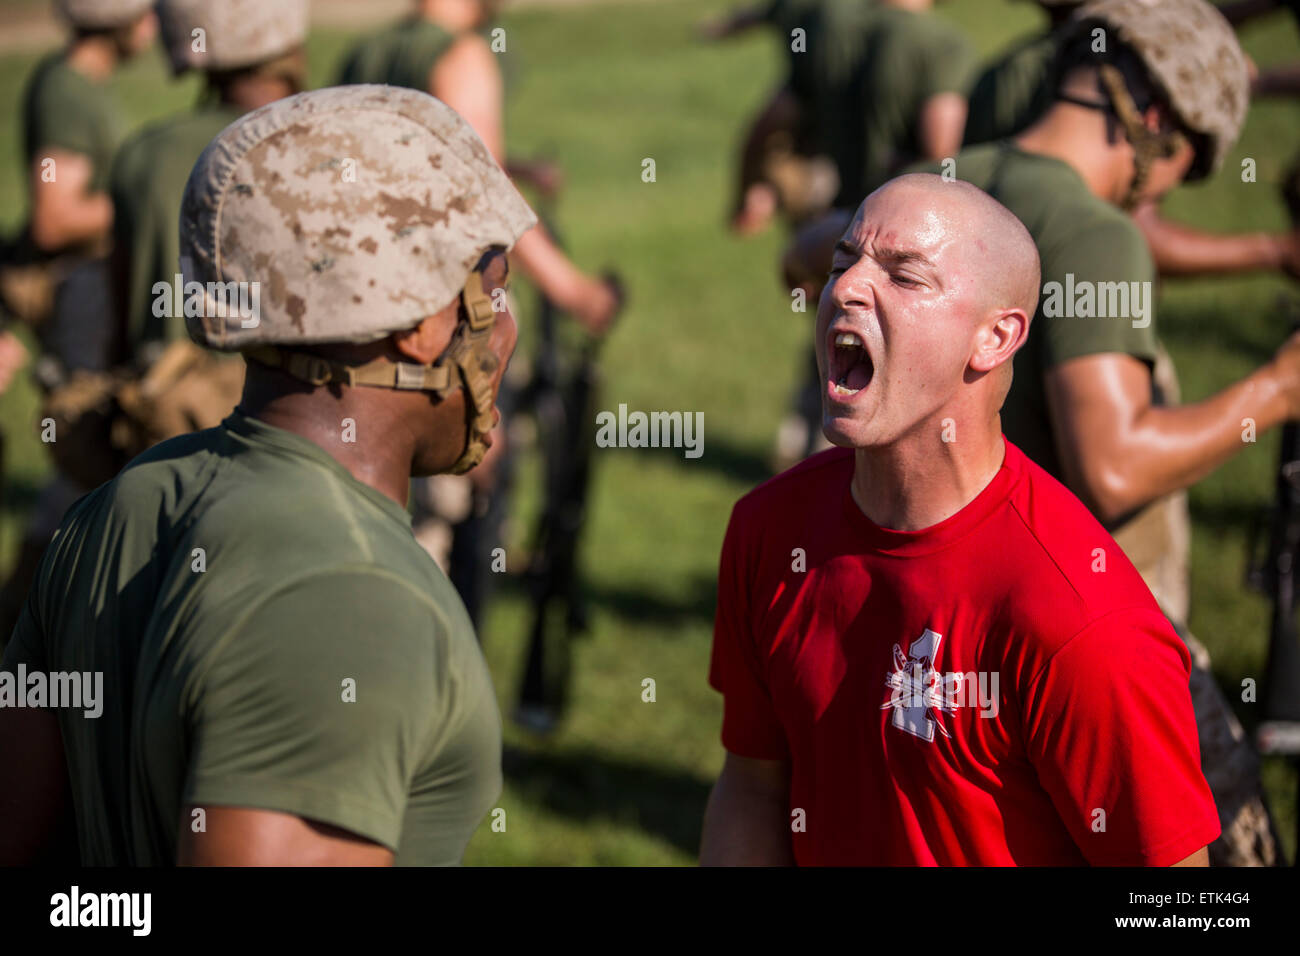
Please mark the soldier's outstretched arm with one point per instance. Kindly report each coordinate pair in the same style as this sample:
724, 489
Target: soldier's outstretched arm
1181, 250
1119, 451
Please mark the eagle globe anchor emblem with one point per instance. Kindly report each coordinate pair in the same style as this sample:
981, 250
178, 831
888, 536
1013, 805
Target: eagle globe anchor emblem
918, 692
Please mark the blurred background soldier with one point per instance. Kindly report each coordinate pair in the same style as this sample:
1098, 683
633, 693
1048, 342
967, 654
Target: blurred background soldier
441, 48
54, 275
250, 53
780, 169
1018, 88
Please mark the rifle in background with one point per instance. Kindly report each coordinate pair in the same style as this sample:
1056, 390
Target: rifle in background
562, 396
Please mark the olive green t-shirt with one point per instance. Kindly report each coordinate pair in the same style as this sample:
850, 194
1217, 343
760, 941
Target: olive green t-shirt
270, 635
874, 68
63, 109
1013, 91
402, 54
148, 183
1088, 247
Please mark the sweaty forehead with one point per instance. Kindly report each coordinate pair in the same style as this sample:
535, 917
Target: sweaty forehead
906, 218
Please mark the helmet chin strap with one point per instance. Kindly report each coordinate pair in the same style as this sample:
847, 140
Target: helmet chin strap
1148, 146
468, 363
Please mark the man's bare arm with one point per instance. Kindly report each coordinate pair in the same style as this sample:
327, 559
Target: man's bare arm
1181, 250
239, 836
1120, 452
1200, 858
747, 820
942, 124
64, 211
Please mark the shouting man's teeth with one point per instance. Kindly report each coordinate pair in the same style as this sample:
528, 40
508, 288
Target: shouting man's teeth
852, 363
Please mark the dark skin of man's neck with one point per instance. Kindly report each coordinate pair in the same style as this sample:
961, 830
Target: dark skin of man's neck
393, 428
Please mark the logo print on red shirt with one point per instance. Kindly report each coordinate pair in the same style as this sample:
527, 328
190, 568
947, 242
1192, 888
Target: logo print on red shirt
918, 692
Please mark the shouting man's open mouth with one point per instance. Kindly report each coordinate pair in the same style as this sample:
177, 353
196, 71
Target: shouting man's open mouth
849, 365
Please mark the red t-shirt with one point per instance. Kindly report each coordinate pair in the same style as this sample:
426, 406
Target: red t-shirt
997, 689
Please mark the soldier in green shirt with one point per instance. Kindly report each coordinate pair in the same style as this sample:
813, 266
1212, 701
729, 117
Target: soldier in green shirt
251, 54
1018, 88
55, 275
889, 88
287, 678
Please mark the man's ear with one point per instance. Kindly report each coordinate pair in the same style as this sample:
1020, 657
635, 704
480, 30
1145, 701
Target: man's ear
424, 343
998, 341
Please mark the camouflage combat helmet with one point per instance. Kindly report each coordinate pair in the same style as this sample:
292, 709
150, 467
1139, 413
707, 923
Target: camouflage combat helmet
1192, 55
358, 211
101, 14
235, 33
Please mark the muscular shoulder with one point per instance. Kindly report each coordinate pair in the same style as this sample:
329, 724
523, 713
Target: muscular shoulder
467, 57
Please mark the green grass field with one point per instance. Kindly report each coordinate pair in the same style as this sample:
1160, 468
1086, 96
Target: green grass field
600, 88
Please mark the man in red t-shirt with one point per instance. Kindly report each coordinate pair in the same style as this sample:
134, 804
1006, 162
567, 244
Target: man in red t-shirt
930, 652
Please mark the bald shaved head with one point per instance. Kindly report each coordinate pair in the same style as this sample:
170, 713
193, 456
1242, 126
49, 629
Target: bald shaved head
1002, 252
931, 292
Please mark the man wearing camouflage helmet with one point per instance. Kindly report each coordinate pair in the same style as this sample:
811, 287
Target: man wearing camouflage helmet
250, 53
1019, 87
55, 275
289, 678
1094, 399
